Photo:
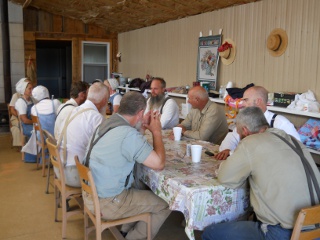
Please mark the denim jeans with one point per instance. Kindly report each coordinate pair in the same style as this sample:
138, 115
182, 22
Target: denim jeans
245, 230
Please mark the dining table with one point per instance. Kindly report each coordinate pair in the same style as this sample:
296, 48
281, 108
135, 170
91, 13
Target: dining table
193, 188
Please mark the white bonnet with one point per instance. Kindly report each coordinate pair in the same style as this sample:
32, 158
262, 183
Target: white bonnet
40, 92
22, 85
114, 84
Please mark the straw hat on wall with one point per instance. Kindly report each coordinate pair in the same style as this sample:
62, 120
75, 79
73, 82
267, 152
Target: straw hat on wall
227, 51
277, 42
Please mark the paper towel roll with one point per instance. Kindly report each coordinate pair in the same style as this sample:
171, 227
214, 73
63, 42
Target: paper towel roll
229, 85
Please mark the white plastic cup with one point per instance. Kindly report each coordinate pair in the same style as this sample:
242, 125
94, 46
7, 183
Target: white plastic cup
177, 133
196, 151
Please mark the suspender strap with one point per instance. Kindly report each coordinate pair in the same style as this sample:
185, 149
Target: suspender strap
92, 143
104, 128
164, 104
311, 178
272, 120
63, 134
66, 105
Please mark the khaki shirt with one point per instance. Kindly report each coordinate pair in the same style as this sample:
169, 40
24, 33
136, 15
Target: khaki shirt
278, 183
210, 124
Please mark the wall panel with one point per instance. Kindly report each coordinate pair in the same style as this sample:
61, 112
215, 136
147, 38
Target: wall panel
170, 49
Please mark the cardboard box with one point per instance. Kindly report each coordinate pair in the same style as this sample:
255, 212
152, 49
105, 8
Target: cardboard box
283, 99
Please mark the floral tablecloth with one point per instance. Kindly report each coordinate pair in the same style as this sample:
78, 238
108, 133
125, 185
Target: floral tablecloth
193, 189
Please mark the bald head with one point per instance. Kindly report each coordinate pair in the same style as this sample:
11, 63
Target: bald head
256, 96
198, 97
199, 92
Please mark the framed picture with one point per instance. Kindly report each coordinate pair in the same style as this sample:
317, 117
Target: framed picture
208, 60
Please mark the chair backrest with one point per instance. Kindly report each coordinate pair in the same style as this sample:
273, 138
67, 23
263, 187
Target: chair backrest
88, 186
47, 134
56, 161
307, 217
23, 137
37, 127
9, 115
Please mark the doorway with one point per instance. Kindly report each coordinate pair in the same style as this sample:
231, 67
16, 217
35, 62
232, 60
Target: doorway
54, 66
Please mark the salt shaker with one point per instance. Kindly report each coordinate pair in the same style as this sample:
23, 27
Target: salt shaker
188, 150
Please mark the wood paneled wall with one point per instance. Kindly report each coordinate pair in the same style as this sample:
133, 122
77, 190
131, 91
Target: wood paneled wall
170, 50
40, 25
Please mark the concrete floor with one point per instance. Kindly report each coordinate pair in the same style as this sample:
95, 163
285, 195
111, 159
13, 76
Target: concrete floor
27, 213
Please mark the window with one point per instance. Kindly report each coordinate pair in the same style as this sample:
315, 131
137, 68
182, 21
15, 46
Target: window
96, 61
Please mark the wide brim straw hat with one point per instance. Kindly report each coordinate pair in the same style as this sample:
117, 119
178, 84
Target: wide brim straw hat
277, 42
230, 57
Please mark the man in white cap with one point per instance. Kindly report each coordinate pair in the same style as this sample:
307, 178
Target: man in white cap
78, 129
115, 97
160, 101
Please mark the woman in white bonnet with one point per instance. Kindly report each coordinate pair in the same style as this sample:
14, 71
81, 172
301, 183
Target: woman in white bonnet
115, 97
23, 106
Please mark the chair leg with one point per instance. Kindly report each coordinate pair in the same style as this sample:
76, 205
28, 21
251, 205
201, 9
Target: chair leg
64, 215
86, 226
56, 203
48, 177
43, 156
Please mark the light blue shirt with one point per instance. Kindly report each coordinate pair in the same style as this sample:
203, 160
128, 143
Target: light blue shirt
113, 157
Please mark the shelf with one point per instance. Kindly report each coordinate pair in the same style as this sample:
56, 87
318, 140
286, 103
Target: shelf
294, 112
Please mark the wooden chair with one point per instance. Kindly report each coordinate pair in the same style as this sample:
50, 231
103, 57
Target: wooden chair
10, 125
63, 192
88, 186
307, 216
40, 144
22, 136
47, 134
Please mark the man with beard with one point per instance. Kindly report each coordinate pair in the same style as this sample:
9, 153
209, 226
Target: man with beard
161, 102
116, 146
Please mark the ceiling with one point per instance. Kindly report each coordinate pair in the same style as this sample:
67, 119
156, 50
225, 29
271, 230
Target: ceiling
125, 15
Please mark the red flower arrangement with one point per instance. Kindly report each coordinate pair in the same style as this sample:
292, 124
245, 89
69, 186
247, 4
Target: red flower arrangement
224, 47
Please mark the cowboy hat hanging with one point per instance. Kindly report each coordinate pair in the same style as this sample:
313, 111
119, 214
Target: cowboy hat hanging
277, 42
227, 51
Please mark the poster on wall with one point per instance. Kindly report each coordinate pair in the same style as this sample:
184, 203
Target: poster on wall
208, 60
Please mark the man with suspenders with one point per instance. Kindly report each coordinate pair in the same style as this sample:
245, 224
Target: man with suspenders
78, 128
78, 95
160, 101
256, 96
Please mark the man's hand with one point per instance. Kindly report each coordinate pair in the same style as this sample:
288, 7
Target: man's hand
222, 155
147, 118
152, 122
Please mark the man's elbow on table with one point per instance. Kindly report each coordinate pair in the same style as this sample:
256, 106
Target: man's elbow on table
155, 161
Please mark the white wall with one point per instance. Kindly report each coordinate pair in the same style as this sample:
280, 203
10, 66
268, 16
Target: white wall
170, 49
16, 48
